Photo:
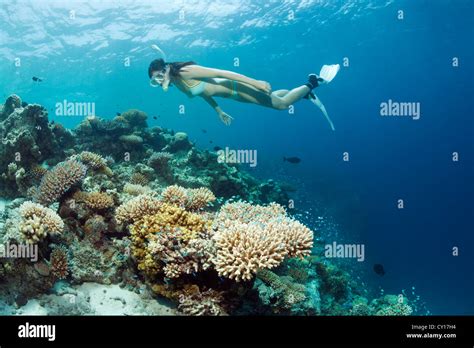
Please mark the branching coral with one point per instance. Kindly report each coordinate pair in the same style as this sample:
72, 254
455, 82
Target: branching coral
94, 161
199, 198
59, 265
38, 221
243, 249
160, 161
191, 199
172, 240
138, 179
198, 303
246, 212
98, 200
36, 173
135, 190
174, 194
136, 208
59, 180
286, 294
250, 238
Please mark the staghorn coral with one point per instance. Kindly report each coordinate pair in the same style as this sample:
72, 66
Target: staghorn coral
199, 198
58, 261
59, 180
38, 221
250, 238
136, 208
199, 303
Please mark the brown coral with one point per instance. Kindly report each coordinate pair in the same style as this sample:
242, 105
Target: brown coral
38, 221
59, 262
59, 180
98, 200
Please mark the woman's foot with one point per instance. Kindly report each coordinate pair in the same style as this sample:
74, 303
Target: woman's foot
313, 82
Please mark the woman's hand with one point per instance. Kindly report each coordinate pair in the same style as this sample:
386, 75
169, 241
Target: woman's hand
227, 119
264, 86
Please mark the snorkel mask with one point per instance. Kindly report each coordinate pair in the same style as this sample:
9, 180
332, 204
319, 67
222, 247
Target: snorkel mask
158, 78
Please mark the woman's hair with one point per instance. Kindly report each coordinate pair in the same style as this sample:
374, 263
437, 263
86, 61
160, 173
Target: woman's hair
160, 64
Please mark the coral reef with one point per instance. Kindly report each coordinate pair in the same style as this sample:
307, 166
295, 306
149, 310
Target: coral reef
148, 215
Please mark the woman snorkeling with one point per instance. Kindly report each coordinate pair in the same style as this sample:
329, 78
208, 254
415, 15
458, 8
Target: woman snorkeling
195, 80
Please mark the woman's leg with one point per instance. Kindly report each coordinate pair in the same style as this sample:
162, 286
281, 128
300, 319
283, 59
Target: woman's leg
280, 99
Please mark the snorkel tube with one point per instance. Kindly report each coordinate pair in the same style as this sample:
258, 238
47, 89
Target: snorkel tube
161, 79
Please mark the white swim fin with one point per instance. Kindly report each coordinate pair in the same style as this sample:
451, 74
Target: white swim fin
329, 72
315, 100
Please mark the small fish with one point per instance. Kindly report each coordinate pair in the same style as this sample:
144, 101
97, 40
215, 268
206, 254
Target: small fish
52, 122
293, 160
378, 268
210, 141
204, 131
37, 79
118, 114
217, 148
156, 117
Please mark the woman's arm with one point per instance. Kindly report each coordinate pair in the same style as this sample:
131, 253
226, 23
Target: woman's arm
200, 72
227, 119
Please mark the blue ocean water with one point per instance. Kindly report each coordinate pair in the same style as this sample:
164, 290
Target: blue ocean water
99, 51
